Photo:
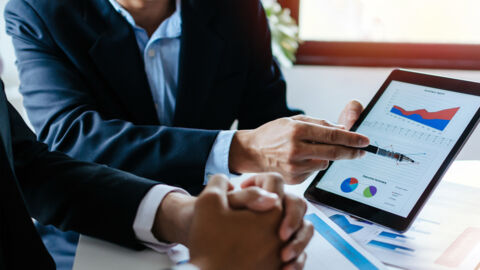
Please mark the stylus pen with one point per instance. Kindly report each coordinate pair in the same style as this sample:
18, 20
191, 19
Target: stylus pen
385, 153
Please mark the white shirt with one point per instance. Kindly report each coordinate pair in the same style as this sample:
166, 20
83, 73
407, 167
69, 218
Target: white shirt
161, 57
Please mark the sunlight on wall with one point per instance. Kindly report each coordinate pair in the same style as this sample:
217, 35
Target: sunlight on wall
419, 21
7, 53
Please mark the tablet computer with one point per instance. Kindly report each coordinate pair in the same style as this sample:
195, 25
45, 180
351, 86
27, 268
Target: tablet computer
420, 122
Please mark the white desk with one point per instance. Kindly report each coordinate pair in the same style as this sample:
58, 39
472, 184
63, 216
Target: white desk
95, 254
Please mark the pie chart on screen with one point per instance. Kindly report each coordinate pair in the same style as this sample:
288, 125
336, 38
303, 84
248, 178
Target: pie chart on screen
370, 192
349, 185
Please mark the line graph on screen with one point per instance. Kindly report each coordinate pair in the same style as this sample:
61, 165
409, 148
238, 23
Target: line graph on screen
437, 120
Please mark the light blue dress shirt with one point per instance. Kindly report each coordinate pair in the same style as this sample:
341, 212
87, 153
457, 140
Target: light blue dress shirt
161, 56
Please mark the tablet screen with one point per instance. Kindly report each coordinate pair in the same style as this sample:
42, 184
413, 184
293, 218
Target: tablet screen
420, 122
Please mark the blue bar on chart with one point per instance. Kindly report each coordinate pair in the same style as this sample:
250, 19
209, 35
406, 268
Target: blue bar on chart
343, 223
327, 232
392, 235
389, 246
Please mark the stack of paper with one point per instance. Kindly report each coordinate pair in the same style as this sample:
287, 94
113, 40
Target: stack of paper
331, 248
446, 235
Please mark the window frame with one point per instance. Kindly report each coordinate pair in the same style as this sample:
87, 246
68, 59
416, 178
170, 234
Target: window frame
380, 54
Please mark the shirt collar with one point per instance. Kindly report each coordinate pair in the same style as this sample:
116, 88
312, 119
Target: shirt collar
170, 27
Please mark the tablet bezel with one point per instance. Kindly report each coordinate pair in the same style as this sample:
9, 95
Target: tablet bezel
379, 216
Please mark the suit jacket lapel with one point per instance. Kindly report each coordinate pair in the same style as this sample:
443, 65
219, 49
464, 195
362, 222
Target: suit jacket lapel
117, 56
200, 52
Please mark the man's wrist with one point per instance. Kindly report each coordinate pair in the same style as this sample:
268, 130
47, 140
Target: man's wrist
243, 157
173, 218
218, 157
146, 215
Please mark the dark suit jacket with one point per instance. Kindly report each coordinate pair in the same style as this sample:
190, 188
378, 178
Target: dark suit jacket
87, 94
54, 189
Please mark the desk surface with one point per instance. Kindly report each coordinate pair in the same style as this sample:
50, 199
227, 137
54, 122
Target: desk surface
95, 254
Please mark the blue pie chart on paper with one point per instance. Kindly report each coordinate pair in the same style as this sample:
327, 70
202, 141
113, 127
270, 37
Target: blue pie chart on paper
349, 185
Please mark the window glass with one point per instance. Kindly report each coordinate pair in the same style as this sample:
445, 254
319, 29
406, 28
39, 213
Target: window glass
409, 21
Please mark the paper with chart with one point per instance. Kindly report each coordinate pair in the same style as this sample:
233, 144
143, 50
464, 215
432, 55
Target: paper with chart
446, 235
331, 248
420, 122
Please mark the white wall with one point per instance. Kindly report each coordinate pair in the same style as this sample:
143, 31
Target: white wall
6, 49
322, 91
9, 75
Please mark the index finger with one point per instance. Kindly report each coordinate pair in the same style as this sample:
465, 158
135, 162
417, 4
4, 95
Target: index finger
216, 190
272, 182
334, 136
252, 198
295, 209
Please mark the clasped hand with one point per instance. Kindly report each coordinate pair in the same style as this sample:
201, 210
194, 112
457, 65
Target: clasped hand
257, 227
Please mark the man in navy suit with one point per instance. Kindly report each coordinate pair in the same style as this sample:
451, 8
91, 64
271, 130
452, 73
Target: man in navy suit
153, 87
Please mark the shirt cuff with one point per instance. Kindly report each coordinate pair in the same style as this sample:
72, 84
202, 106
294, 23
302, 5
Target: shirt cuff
217, 161
145, 217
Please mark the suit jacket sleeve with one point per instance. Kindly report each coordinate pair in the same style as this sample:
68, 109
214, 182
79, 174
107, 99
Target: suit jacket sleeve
265, 97
176, 156
92, 199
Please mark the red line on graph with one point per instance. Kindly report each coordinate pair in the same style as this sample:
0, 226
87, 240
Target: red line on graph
443, 114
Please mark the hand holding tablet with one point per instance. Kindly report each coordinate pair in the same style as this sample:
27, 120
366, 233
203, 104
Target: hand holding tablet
416, 124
